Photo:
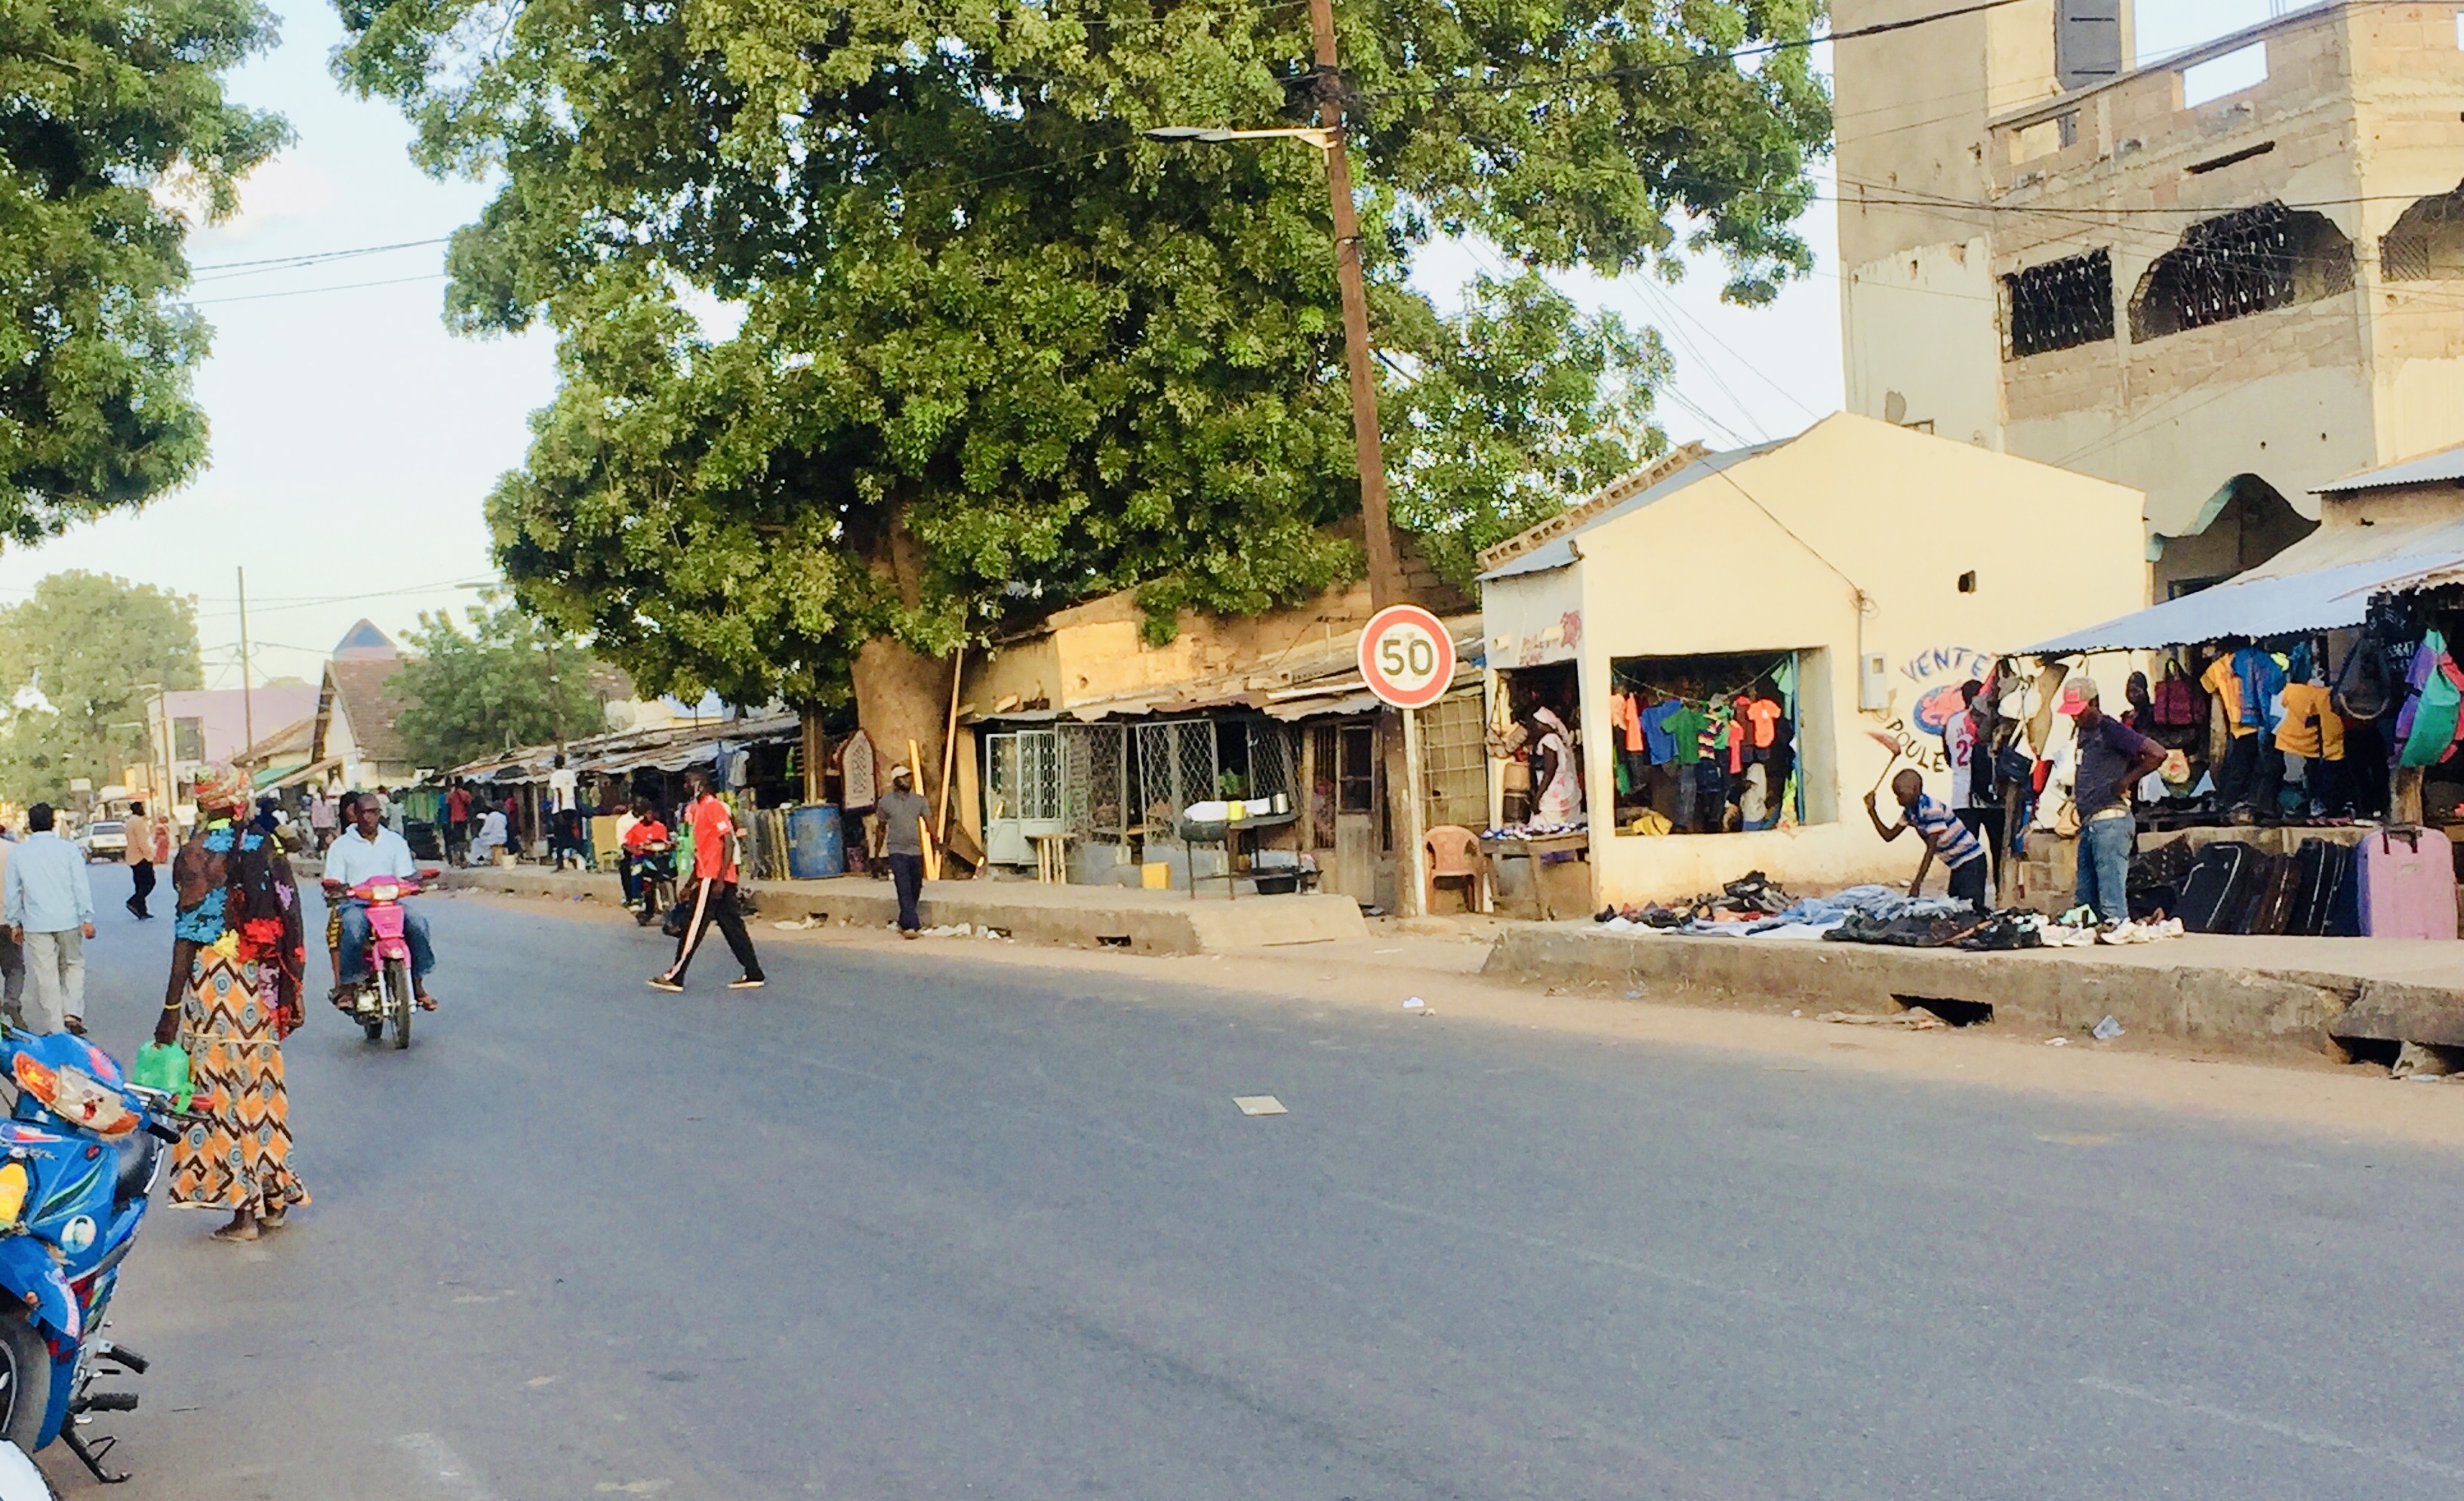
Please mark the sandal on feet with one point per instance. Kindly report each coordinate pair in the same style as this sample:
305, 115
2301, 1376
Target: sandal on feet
237, 1232
426, 1003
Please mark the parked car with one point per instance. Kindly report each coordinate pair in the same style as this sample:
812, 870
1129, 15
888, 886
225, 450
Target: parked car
104, 839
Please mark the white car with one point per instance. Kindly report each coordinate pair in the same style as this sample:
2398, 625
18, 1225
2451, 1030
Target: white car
104, 839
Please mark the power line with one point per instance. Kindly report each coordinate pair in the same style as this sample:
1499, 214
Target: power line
311, 257
301, 292
1645, 69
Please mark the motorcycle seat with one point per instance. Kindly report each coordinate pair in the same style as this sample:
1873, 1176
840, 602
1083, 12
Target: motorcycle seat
138, 1151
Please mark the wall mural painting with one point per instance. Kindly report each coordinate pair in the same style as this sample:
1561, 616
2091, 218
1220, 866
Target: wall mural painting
1937, 674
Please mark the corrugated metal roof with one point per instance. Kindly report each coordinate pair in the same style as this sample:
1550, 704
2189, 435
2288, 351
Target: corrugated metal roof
1560, 553
2338, 546
2320, 599
2429, 469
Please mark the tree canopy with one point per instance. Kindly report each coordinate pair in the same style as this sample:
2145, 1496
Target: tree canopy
507, 680
111, 115
995, 351
78, 664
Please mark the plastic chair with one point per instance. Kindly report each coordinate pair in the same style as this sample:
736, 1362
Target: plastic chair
1454, 855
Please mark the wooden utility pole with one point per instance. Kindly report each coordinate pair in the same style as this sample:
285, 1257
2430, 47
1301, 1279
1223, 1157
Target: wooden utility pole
247, 700
1368, 448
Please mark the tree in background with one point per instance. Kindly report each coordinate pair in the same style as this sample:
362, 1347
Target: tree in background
996, 352
79, 663
506, 681
114, 112
1517, 405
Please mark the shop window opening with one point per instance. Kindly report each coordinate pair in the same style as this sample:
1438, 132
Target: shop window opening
2428, 242
2060, 304
1705, 744
1356, 769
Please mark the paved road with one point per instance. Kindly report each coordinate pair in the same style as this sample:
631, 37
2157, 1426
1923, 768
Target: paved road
903, 1227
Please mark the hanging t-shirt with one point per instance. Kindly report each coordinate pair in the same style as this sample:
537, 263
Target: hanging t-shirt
1657, 737
1688, 730
1624, 715
2221, 681
1959, 744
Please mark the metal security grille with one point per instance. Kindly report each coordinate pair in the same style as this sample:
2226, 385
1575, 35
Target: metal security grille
1274, 759
2060, 304
1094, 781
2238, 264
1176, 762
1454, 763
2428, 242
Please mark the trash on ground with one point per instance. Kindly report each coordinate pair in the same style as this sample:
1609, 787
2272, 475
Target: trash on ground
797, 924
1634, 995
951, 930
1915, 1018
1414, 1003
2413, 1061
2106, 1031
2058, 1041
1260, 1105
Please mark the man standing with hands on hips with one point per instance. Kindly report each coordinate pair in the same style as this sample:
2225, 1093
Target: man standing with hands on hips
48, 904
712, 898
2113, 759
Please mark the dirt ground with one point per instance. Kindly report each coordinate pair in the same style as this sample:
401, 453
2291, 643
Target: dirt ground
1440, 962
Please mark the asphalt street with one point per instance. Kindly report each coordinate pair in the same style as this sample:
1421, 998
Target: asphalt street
909, 1224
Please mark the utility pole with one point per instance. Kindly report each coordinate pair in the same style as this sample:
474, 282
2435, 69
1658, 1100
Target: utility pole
1368, 443
246, 702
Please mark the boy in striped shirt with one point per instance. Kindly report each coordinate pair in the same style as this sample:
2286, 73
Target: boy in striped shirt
1945, 836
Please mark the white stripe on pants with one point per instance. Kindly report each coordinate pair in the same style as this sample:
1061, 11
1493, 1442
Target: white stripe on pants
55, 979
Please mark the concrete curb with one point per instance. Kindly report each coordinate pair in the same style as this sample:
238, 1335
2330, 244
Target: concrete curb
1030, 915
2054, 991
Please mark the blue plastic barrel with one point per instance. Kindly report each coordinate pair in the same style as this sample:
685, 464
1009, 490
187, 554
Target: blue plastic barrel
815, 846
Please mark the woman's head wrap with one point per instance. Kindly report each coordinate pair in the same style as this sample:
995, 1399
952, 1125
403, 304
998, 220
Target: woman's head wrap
221, 786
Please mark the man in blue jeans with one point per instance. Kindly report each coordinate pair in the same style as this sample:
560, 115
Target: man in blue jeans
2112, 760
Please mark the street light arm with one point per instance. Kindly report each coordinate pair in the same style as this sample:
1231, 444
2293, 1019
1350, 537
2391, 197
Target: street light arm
1317, 136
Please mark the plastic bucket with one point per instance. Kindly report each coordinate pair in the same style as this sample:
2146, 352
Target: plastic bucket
816, 844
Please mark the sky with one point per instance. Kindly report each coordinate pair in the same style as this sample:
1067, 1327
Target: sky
355, 440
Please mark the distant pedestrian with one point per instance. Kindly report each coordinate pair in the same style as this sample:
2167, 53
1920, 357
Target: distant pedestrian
902, 809
49, 903
714, 851
234, 996
490, 841
320, 817
12, 954
2113, 759
457, 821
350, 808
144, 834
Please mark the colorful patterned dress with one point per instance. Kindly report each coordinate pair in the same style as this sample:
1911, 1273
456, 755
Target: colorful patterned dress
240, 931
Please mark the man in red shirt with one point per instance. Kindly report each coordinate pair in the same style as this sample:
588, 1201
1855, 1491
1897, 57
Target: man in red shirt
457, 822
714, 893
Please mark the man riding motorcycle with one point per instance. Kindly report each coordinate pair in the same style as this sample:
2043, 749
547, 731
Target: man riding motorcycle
369, 849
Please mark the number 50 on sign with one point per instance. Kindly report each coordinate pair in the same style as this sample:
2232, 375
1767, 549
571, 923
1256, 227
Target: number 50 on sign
1406, 657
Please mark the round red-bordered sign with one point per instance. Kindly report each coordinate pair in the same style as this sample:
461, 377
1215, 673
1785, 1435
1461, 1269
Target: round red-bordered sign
1406, 657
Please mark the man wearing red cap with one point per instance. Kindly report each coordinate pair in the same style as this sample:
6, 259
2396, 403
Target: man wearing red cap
2112, 760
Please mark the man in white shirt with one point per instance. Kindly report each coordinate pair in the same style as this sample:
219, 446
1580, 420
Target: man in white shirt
368, 848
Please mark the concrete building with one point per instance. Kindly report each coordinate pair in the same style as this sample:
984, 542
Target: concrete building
2226, 278
1853, 574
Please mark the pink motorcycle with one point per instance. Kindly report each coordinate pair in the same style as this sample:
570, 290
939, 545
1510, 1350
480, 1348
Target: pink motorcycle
386, 995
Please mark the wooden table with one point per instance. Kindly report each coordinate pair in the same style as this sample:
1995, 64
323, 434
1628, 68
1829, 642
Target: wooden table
1194, 833
1533, 847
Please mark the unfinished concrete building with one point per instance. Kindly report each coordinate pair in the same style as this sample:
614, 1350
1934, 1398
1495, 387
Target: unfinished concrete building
2224, 278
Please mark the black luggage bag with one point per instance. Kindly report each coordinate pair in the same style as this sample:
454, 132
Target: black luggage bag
2328, 905
2278, 888
2222, 884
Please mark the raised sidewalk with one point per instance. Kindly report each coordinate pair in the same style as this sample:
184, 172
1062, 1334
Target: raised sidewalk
1141, 921
2197, 988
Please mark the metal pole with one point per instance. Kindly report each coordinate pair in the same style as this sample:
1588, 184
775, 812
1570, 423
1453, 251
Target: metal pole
246, 702
1385, 573
1415, 905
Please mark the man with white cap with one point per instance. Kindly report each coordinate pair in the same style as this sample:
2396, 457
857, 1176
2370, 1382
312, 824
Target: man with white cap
2112, 760
902, 811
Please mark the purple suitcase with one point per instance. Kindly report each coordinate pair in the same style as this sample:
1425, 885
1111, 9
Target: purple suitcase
2405, 879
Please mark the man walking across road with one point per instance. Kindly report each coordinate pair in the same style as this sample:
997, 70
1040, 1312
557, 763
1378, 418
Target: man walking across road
48, 905
902, 809
148, 839
714, 893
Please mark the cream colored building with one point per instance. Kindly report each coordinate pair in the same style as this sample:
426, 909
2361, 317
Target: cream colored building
2224, 278
1881, 563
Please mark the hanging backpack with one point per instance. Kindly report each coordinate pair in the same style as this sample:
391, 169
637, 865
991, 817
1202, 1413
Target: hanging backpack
2428, 722
2365, 689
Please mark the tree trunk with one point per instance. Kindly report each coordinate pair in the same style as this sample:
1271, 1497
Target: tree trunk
899, 697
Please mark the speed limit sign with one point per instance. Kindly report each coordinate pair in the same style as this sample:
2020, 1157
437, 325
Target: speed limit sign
1406, 657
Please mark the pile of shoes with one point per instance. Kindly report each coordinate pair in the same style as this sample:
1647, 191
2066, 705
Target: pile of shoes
1913, 931
1749, 897
2013, 929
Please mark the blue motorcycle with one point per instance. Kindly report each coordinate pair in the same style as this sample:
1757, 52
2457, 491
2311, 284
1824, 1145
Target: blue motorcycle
79, 1156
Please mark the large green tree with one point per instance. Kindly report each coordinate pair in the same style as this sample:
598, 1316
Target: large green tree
506, 680
112, 119
995, 351
79, 663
